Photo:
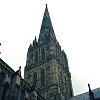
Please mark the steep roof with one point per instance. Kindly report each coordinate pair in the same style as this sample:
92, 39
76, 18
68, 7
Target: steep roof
85, 96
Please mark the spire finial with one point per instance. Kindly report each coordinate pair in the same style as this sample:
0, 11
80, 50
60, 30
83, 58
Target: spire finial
46, 5
19, 72
20, 68
0, 45
91, 94
89, 87
35, 39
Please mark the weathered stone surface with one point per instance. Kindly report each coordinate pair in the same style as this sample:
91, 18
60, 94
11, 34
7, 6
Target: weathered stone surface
46, 59
13, 87
46, 73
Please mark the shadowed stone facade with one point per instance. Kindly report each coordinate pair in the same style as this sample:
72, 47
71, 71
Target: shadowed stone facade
14, 87
47, 65
46, 74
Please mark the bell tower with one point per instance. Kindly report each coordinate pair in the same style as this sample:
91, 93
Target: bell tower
47, 65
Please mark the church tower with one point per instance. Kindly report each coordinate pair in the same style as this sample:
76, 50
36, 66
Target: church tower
47, 65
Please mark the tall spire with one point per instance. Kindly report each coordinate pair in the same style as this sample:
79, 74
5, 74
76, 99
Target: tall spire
46, 31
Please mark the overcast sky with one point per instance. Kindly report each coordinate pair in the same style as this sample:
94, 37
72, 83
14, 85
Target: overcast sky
77, 28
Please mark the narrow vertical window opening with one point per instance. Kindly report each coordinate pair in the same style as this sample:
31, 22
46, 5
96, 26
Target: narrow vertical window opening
42, 77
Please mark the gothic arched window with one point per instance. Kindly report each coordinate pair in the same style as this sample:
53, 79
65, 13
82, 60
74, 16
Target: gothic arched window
43, 53
2, 76
22, 94
48, 75
42, 77
36, 57
34, 78
47, 51
5, 89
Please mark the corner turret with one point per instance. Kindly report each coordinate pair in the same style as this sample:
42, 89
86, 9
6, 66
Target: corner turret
34, 45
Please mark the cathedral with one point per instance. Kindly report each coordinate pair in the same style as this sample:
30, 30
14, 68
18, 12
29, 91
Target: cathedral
46, 74
47, 65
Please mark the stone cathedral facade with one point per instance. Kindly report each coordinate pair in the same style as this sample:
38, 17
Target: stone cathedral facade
46, 74
47, 65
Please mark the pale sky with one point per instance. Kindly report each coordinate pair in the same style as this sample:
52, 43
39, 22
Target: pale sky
77, 28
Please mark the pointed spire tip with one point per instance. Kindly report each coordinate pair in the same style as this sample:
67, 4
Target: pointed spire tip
46, 5
20, 68
35, 39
